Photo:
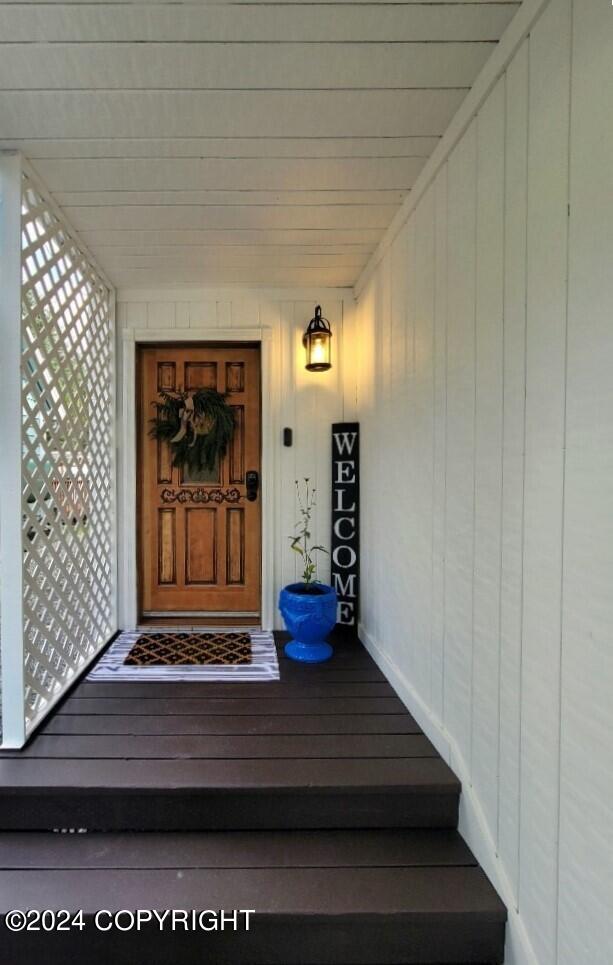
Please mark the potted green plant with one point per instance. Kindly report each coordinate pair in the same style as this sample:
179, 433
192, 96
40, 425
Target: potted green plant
308, 607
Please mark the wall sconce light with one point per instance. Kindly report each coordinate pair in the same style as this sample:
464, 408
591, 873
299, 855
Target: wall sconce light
316, 341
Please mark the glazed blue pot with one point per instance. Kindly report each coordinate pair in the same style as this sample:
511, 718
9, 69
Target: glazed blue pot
309, 618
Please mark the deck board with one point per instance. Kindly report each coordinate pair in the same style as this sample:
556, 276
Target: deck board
232, 705
118, 724
235, 849
418, 774
287, 689
350, 891
228, 748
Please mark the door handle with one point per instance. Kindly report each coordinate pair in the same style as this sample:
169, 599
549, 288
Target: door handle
252, 480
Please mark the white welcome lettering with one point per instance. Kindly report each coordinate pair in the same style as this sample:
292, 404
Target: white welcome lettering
339, 523
348, 587
345, 613
345, 442
351, 557
340, 499
345, 471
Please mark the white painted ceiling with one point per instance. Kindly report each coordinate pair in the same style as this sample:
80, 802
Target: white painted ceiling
247, 143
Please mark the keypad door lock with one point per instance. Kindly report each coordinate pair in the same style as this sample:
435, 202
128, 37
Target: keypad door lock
253, 484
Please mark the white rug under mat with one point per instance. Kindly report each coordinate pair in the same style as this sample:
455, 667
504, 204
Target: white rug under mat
263, 666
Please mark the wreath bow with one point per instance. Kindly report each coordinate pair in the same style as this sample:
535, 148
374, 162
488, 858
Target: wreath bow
186, 416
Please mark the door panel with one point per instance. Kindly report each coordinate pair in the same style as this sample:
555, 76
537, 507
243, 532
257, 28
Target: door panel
201, 546
200, 539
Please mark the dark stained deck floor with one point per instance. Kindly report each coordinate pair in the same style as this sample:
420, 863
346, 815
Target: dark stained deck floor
325, 746
316, 801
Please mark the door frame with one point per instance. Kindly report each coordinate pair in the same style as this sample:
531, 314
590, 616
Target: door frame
128, 494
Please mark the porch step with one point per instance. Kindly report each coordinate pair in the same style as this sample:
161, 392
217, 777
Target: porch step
103, 793
324, 747
344, 897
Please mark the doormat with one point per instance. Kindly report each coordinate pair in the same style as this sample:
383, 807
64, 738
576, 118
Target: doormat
177, 649
188, 654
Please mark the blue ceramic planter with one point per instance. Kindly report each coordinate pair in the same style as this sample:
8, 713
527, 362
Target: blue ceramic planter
309, 618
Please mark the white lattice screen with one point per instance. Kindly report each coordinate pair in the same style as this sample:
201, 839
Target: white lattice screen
67, 495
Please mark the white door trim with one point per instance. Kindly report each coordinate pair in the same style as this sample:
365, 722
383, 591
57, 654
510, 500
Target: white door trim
128, 490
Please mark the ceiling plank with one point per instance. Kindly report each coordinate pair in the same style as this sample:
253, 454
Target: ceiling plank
269, 276
45, 23
237, 253
231, 217
303, 236
227, 113
230, 174
220, 258
232, 147
239, 197
197, 3
240, 66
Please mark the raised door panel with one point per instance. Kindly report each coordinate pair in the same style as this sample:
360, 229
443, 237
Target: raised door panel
200, 546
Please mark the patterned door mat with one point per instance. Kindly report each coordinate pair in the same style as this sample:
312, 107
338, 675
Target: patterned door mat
178, 649
186, 654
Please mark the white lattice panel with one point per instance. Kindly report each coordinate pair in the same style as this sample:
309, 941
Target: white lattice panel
67, 496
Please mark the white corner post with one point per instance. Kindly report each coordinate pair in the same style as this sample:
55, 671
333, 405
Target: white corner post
11, 550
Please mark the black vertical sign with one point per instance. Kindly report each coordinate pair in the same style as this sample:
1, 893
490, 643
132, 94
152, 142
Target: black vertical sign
345, 542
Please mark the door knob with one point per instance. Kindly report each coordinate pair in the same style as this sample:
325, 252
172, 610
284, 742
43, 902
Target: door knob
253, 484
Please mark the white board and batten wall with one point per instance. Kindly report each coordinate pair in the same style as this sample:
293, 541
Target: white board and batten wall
484, 329
306, 402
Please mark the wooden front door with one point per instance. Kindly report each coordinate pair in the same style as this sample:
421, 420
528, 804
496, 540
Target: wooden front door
200, 539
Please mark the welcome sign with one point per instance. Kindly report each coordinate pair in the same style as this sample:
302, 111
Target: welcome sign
345, 542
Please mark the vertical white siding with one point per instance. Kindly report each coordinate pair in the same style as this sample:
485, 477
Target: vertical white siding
488, 501
586, 766
548, 119
420, 418
439, 448
460, 432
307, 402
514, 389
488, 448
408, 479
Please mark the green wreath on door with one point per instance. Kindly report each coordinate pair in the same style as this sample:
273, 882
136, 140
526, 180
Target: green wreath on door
198, 425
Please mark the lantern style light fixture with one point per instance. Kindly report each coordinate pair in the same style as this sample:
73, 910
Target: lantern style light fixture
316, 341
